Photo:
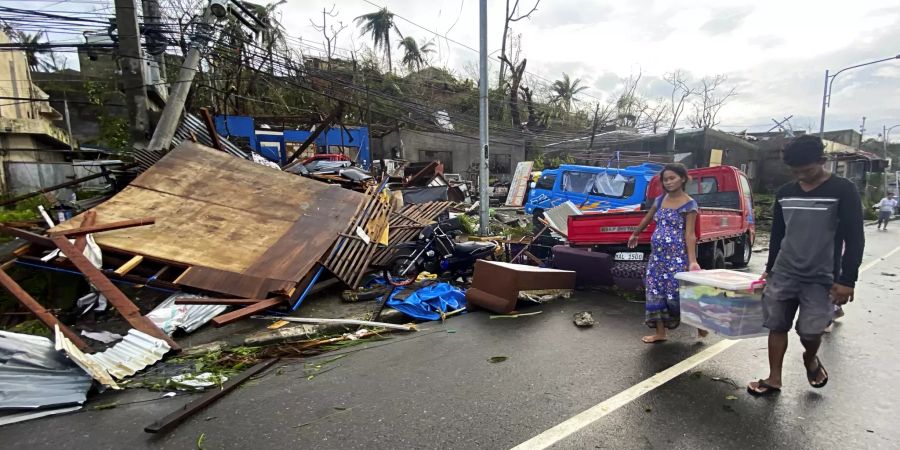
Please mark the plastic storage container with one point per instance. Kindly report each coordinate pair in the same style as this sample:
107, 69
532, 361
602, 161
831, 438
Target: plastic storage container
724, 302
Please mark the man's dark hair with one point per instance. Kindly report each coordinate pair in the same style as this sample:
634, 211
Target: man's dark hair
803, 150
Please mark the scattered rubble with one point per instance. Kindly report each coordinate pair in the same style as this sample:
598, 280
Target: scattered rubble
584, 319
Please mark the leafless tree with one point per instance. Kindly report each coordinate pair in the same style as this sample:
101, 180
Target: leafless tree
711, 96
655, 116
329, 33
629, 105
512, 15
681, 92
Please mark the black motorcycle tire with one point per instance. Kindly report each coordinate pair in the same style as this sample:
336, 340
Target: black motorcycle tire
394, 268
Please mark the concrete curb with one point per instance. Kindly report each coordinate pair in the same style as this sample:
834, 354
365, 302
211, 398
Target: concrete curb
287, 334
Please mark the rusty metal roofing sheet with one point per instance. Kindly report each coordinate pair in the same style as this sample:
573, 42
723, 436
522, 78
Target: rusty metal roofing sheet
33, 374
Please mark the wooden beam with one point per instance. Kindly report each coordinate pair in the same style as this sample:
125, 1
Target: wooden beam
43, 241
186, 411
39, 311
211, 128
218, 301
129, 265
131, 223
123, 304
326, 124
90, 218
247, 311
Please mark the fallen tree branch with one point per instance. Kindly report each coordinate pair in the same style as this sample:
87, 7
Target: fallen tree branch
410, 327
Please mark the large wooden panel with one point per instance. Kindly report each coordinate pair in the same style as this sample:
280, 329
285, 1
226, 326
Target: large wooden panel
245, 228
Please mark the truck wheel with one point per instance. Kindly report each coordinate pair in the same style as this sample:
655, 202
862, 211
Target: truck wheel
719, 258
743, 251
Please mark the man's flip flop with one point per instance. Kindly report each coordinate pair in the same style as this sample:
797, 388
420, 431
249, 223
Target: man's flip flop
812, 375
769, 389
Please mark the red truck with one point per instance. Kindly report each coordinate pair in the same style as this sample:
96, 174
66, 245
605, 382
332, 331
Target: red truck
725, 227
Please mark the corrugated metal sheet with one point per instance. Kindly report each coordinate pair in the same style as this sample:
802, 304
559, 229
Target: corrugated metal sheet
191, 126
33, 374
168, 316
192, 123
134, 352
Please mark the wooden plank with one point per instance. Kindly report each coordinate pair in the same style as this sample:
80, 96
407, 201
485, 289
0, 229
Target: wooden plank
28, 236
39, 311
122, 303
129, 265
90, 218
239, 314
217, 301
106, 227
211, 128
186, 411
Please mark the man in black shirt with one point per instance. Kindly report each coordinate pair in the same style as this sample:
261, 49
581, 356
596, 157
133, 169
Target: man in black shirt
814, 257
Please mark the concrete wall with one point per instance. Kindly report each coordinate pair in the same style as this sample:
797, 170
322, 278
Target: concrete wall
15, 81
460, 152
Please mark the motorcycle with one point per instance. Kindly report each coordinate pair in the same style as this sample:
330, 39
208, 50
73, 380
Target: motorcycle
436, 252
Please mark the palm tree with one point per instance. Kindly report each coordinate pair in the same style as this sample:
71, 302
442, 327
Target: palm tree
565, 91
379, 25
31, 41
414, 56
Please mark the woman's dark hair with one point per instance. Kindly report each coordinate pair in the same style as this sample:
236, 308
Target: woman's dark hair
803, 150
679, 170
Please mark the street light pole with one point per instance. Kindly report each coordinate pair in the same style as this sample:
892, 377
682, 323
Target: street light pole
484, 228
829, 82
886, 133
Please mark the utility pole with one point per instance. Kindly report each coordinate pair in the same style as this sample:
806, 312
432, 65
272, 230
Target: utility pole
168, 122
862, 133
484, 228
132, 62
156, 47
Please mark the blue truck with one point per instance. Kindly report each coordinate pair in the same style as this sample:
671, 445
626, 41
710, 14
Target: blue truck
605, 189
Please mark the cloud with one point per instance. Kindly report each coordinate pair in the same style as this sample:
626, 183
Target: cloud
726, 20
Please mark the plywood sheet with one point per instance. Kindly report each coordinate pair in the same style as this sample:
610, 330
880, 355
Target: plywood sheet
244, 228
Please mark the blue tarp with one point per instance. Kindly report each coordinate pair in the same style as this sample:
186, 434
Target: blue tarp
424, 303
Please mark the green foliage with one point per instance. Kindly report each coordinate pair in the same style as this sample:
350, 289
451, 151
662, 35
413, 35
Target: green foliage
113, 130
542, 162
33, 327
467, 223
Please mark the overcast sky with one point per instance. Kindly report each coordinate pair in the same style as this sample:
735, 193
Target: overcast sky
774, 52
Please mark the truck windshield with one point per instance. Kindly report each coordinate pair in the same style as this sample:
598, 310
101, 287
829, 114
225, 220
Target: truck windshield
546, 182
600, 184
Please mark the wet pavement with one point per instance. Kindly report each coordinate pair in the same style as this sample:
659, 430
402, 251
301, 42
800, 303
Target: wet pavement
438, 389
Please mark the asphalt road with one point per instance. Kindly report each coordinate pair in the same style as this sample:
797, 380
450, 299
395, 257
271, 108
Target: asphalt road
436, 388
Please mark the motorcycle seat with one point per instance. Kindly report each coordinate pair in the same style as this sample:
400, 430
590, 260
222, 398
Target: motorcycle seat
471, 247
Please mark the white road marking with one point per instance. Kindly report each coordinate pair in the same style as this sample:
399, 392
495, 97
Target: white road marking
595, 413
602, 409
874, 263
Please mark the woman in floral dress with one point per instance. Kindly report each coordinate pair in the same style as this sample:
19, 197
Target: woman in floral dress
674, 249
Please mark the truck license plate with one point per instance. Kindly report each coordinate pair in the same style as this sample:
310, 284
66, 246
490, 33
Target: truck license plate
629, 256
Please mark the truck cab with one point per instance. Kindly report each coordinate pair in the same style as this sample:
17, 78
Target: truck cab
597, 189
725, 227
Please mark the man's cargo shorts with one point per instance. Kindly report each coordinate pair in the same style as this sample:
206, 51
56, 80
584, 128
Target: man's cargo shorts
783, 296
